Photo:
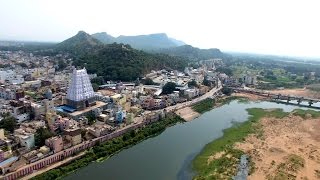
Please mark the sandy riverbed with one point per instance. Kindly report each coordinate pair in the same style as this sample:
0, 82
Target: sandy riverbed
251, 97
298, 92
187, 113
282, 139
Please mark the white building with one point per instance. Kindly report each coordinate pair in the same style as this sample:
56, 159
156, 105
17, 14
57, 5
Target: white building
11, 77
191, 93
80, 93
27, 140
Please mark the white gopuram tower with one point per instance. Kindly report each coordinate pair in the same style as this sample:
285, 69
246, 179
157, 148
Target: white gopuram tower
80, 93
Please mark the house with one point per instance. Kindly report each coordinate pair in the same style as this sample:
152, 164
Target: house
55, 143
73, 135
148, 103
26, 139
100, 129
191, 93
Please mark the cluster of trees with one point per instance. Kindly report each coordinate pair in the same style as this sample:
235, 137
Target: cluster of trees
169, 87
121, 62
226, 70
41, 135
193, 83
8, 122
110, 147
227, 91
148, 81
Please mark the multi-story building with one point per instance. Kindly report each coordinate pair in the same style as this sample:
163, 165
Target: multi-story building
11, 77
26, 139
73, 135
148, 103
55, 143
80, 93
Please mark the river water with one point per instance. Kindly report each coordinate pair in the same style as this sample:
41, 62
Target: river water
170, 154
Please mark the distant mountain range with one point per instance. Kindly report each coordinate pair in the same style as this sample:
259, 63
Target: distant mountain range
115, 61
121, 60
80, 43
154, 43
193, 53
143, 42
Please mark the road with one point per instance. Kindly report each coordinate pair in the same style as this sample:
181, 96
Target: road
193, 101
182, 105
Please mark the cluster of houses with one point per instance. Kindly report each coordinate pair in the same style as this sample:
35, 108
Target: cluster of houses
64, 108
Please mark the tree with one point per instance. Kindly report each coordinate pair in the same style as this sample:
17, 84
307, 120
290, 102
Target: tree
206, 82
227, 91
8, 123
192, 83
41, 135
148, 81
95, 87
91, 118
62, 64
168, 88
225, 70
98, 80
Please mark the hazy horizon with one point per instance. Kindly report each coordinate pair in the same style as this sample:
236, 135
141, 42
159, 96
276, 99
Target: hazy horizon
287, 28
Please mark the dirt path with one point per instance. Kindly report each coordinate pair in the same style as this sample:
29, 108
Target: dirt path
288, 148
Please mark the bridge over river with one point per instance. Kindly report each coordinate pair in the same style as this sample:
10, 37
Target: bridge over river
281, 98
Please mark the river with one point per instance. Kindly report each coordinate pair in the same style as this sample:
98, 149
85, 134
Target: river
170, 154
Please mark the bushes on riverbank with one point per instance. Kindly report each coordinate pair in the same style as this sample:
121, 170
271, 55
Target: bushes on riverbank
204, 105
226, 166
219, 159
111, 147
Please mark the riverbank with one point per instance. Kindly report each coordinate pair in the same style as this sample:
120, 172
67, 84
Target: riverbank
191, 112
187, 113
220, 158
251, 97
287, 148
111, 147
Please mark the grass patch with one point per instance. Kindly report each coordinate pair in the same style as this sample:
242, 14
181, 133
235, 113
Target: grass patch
228, 99
231, 135
288, 169
204, 105
317, 173
226, 142
303, 113
243, 100
277, 113
314, 87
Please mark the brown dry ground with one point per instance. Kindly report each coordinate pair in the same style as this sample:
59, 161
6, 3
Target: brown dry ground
287, 148
187, 113
298, 92
251, 97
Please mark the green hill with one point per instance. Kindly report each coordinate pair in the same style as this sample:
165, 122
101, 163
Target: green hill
193, 53
144, 42
115, 61
80, 43
121, 62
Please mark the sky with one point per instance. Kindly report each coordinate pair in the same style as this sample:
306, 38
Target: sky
280, 27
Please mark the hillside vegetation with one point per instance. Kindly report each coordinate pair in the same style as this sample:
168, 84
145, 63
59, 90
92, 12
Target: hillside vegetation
115, 61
